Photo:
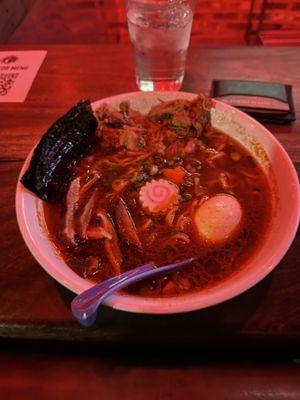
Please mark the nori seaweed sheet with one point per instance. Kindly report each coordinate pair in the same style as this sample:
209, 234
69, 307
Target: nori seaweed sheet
60, 149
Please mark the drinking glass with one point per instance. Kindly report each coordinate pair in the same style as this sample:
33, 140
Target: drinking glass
160, 33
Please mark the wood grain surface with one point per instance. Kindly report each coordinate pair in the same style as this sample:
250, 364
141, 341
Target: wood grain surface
70, 73
63, 377
265, 319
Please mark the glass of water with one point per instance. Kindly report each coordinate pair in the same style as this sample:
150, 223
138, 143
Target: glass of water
160, 33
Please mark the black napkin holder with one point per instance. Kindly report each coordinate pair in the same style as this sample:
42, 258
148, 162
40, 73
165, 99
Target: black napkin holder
265, 101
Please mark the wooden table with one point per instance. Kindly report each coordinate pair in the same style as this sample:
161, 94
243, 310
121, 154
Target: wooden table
33, 307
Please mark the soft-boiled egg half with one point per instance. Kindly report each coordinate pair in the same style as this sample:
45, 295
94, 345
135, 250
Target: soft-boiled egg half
218, 219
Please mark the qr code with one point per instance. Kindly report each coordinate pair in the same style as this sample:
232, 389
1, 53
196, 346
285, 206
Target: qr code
6, 82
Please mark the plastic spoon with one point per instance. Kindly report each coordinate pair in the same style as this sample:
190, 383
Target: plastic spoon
84, 306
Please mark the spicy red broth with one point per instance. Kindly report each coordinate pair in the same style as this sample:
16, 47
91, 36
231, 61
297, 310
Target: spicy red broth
136, 197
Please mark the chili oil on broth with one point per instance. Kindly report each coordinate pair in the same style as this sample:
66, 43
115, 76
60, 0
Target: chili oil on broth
234, 172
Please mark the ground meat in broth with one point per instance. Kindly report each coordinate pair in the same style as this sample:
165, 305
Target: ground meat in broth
176, 148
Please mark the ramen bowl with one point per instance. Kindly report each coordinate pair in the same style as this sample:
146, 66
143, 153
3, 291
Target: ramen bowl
266, 150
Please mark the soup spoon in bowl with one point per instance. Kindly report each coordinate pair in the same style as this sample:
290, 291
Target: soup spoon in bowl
84, 306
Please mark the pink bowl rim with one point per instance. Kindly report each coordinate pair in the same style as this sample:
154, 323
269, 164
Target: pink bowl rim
183, 303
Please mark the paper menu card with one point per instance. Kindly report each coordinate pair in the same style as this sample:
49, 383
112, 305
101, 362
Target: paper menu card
17, 72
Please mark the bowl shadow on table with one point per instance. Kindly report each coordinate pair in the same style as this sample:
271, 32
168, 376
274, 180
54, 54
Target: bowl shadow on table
215, 328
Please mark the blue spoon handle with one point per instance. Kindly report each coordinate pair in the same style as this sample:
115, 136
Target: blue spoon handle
84, 306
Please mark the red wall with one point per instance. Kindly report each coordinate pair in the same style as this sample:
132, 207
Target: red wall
218, 21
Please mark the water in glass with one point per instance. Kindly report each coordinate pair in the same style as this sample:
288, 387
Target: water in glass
160, 33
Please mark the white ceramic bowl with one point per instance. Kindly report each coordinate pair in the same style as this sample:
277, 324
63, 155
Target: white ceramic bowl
277, 166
